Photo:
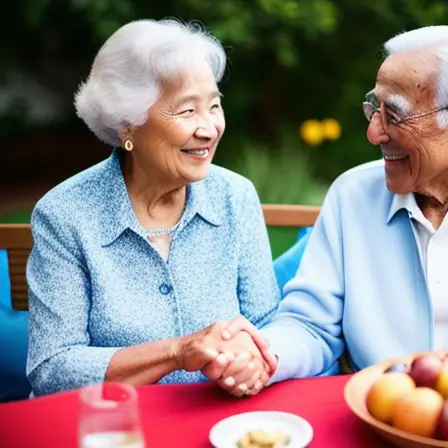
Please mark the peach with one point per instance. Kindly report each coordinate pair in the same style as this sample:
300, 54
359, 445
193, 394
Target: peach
441, 385
383, 394
418, 411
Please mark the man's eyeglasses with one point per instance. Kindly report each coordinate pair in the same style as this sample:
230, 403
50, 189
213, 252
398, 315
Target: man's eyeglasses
371, 106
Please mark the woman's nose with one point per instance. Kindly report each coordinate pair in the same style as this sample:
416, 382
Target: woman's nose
206, 130
375, 132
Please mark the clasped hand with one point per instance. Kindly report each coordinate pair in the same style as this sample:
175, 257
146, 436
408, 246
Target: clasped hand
234, 354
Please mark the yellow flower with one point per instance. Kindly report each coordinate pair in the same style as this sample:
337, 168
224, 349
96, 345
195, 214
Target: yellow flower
331, 129
311, 132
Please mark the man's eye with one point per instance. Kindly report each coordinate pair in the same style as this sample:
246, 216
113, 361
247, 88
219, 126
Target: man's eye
392, 117
187, 112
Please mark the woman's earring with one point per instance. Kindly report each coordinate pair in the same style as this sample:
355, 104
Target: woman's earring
128, 145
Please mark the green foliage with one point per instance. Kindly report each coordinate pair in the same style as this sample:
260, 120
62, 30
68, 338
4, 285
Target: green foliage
20, 217
291, 60
283, 175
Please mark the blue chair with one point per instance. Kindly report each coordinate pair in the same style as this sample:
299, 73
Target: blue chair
286, 265
13, 341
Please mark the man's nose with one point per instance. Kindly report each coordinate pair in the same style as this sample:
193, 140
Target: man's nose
376, 133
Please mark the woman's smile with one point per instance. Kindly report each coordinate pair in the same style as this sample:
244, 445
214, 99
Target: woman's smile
197, 153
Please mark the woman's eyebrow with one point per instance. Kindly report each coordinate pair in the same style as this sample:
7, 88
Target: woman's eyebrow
185, 99
195, 98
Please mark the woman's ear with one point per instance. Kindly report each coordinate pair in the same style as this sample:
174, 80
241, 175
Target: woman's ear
125, 134
127, 137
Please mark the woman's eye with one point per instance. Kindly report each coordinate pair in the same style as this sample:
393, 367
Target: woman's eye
187, 112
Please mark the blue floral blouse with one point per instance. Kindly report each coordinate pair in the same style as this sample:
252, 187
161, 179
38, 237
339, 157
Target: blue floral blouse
96, 283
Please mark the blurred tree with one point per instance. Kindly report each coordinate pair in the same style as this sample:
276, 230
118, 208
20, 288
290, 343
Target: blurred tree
290, 60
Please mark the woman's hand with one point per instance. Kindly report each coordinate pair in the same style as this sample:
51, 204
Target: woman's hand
240, 323
194, 351
237, 364
243, 376
248, 373
244, 371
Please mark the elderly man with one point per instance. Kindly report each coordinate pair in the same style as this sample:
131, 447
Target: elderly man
373, 281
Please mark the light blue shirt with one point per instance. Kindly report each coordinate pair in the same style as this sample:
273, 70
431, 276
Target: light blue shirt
96, 284
360, 285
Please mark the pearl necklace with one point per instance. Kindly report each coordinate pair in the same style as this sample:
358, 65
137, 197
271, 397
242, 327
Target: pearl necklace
162, 232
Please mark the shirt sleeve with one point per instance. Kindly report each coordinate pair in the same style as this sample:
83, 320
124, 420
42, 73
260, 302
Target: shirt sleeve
258, 291
60, 356
306, 332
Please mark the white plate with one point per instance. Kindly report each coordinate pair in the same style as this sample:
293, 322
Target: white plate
227, 432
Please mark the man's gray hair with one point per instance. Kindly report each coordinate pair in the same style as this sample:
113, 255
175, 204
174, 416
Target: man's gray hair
418, 39
128, 71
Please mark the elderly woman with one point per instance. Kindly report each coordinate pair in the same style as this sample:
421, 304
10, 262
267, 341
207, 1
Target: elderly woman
137, 259
373, 281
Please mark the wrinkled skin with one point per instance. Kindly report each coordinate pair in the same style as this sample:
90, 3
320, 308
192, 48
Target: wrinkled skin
413, 76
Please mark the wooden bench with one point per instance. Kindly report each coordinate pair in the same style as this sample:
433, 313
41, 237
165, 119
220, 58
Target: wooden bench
290, 215
17, 240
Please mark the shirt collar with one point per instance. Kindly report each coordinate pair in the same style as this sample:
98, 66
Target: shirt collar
202, 200
118, 214
403, 202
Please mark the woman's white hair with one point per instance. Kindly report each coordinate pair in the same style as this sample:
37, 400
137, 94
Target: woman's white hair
128, 71
418, 39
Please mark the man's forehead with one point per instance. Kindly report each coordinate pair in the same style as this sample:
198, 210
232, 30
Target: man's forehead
408, 72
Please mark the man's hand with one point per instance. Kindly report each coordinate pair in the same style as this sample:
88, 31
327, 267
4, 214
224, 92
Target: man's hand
245, 375
244, 372
237, 363
240, 374
240, 323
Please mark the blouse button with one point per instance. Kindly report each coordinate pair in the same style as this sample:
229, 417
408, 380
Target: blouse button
165, 289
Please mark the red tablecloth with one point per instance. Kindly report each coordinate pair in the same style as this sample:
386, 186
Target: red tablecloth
182, 415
